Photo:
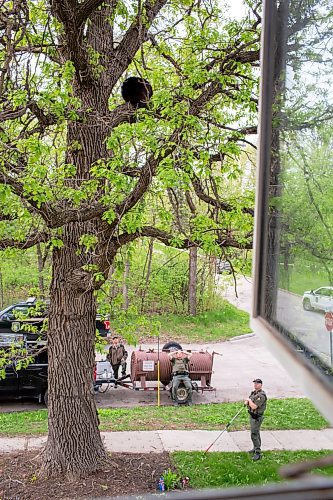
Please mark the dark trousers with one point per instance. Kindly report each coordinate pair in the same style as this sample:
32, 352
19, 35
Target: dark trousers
255, 433
177, 379
115, 369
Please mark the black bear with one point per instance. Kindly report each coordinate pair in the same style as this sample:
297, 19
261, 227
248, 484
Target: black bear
137, 91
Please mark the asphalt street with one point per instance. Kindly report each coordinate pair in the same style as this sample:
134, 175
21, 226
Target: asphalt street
308, 326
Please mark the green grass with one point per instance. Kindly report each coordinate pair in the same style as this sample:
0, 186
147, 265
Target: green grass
210, 326
215, 470
280, 414
23, 423
301, 278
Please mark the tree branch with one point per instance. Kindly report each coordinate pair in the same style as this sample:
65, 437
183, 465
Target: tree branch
135, 36
169, 239
66, 11
38, 237
86, 9
212, 201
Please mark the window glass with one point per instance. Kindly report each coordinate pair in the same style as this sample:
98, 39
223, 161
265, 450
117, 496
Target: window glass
19, 310
299, 267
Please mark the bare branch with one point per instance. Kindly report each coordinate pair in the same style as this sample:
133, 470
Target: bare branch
11, 114
131, 41
38, 237
212, 201
169, 239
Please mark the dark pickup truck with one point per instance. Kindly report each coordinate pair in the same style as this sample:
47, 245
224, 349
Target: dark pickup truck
12, 313
30, 382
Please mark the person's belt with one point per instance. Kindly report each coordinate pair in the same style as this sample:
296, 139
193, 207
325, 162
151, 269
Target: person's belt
180, 373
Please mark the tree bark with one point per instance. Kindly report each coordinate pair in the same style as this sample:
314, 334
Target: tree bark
74, 444
40, 270
192, 285
125, 285
149, 262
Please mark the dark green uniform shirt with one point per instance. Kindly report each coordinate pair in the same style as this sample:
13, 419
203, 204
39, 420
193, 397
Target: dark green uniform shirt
179, 365
259, 398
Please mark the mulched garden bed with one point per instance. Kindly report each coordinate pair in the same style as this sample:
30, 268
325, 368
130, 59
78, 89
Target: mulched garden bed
129, 474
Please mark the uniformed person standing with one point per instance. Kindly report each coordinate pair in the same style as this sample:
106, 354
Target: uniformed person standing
256, 404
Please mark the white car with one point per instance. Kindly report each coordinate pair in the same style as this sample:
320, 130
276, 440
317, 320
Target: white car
321, 298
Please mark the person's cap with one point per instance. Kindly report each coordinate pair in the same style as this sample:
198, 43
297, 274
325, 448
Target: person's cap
258, 380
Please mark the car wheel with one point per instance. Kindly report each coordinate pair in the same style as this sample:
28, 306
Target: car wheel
46, 397
170, 345
307, 305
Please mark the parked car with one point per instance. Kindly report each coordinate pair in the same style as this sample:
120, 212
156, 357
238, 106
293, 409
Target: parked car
36, 317
223, 266
30, 382
321, 299
13, 312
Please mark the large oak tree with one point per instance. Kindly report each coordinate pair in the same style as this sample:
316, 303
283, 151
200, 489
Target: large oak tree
88, 173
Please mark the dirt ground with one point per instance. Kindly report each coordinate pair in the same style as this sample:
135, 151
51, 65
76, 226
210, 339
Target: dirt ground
130, 474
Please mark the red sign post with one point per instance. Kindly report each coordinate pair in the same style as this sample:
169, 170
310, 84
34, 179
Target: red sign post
329, 328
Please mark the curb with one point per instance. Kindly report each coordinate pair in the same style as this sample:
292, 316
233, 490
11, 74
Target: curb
241, 337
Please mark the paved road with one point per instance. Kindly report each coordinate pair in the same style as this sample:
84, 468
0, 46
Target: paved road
309, 326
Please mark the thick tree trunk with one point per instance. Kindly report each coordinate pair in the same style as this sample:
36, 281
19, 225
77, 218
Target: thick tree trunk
74, 443
192, 285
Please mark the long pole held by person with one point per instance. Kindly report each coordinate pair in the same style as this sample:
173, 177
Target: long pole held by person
225, 429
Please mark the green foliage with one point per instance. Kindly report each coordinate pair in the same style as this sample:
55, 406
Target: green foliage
303, 274
19, 275
171, 479
100, 343
132, 326
209, 326
220, 470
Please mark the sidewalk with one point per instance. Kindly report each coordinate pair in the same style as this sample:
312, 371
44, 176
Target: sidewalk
159, 441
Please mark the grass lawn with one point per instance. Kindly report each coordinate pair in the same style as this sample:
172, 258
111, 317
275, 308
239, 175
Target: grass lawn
302, 277
280, 414
210, 326
237, 469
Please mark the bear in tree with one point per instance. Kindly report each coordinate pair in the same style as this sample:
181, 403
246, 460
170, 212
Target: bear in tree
137, 91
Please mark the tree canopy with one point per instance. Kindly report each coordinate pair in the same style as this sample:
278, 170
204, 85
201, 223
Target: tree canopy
87, 173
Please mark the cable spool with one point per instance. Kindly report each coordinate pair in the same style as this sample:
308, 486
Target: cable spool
200, 366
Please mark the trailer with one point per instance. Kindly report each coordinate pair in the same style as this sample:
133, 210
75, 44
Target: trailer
144, 374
